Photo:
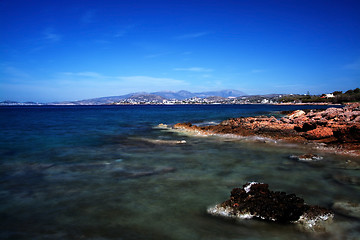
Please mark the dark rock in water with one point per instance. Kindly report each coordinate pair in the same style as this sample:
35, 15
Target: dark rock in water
258, 200
255, 200
306, 157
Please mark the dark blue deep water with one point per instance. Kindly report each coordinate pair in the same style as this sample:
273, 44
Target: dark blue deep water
107, 172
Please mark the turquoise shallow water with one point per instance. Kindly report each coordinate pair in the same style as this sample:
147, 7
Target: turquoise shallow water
108, 173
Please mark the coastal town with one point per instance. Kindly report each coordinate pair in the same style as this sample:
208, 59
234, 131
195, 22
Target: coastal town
151, 99
219, 97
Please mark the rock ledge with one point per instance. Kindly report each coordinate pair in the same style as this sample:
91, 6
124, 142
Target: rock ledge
336, 128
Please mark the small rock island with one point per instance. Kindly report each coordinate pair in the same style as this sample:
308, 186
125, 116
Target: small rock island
255, 200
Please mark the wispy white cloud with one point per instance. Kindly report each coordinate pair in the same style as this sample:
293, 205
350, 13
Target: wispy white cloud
146, 80
194, 69
50, 35
118, 84
88, 16
155, 55
206, 76
101, 41
186, 53
14, 72
120, 33
353, 66
84, 74
258, 70
289, 86
124, 30
192, 35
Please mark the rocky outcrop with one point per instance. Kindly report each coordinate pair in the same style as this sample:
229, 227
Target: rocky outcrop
338, 127
306, 157
255, 200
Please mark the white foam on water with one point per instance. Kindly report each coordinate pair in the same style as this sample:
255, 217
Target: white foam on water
310, 223
208, 123
247, 188
228, 212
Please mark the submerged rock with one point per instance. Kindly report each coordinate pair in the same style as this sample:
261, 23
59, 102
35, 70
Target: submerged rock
306, 157
255, 200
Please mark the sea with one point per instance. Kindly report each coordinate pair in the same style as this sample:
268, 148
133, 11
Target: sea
109, 172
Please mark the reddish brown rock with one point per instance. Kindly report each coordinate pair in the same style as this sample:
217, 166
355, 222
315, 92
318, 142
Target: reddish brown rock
319, 133
306, 126
285, 120
348, 133
338, 127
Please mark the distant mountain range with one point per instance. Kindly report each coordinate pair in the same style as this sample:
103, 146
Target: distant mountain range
180, 95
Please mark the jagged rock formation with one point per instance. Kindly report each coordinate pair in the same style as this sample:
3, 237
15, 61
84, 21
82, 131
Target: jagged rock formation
255, 200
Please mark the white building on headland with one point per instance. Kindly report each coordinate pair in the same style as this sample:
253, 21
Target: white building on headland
329, 95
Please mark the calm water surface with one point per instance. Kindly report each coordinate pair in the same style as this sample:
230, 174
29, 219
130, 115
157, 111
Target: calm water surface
101, 173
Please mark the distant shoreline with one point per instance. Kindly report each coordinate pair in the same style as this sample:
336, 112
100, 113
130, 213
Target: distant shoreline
161, 104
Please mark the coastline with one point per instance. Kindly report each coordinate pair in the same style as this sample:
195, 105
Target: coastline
313, 103
334, 129
165, 104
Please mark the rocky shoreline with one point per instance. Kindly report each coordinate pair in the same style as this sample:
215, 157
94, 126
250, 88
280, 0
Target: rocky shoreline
334, 128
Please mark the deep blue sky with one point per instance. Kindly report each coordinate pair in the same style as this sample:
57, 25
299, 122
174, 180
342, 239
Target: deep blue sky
72, 50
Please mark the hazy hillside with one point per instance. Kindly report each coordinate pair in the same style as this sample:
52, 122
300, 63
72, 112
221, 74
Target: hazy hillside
157, 96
